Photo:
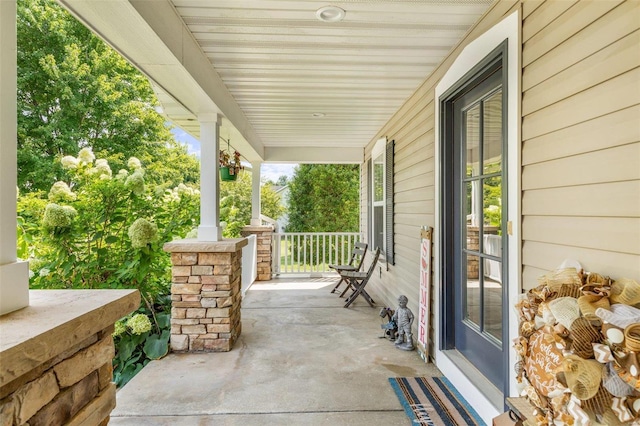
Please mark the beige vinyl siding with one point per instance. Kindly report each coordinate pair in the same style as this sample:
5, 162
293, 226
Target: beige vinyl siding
581, 138
412, 127
580, 145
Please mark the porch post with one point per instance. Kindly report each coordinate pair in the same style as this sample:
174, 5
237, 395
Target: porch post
14, 275
209, 229
255, 193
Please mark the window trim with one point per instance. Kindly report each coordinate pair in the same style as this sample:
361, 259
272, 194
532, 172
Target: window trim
383, 147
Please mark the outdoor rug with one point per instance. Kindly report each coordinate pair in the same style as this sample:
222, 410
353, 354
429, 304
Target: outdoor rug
433, 401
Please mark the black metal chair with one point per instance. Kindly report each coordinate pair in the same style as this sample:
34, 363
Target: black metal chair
358, 252
358, 280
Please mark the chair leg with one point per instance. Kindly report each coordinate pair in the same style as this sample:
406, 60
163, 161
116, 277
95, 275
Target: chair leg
337, 285
359, 291
349, 286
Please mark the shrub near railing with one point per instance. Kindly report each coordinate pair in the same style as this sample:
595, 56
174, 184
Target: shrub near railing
97, 230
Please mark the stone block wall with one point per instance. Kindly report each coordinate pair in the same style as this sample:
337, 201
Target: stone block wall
264, 240
56, 357
206, 298
75, 387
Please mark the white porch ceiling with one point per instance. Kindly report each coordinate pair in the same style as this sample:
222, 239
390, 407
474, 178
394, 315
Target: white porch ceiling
269, 65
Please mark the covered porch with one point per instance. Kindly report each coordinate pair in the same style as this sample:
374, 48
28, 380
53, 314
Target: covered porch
301, 359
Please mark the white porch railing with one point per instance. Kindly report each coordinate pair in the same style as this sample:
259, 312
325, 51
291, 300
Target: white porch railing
311, 252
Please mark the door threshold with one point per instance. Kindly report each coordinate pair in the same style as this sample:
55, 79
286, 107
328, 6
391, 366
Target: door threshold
488, 389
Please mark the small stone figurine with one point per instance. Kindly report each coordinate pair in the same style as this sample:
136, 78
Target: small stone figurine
404, 319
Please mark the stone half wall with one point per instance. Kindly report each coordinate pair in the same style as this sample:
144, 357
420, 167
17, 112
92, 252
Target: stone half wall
264, 235
63, 375
205, 294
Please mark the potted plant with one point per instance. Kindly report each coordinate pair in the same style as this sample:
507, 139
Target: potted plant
229, 167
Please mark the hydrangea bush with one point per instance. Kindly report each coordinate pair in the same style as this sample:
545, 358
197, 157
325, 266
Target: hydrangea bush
94, 229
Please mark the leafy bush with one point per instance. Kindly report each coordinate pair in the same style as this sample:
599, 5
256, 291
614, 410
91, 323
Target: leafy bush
138, 341
98, 230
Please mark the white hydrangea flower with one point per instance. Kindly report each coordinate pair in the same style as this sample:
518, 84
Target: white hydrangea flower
139, 324
122, 174
192, 234
86, 156
135, 182
69, 162
44, 272
57, 216
142, 232
119, 328
134, 163
102, 168
60, 191
31, 274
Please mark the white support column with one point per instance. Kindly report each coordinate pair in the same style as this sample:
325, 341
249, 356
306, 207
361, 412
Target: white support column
14, 275
209, 229
255, 193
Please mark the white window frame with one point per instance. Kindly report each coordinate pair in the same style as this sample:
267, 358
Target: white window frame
377, 151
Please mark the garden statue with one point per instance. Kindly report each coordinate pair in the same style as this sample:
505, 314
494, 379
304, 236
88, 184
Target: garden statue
403, 317
390, 328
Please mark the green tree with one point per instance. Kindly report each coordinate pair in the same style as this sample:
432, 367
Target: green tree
235, 204
75, 91
324, 198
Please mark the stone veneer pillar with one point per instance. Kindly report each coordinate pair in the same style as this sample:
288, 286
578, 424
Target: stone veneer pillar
56, 357
264, 240
205, 294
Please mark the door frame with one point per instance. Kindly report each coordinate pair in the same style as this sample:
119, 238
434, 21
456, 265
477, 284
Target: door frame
492, 73
507, 30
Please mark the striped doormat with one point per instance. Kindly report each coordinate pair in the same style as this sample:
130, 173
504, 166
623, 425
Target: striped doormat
433, 401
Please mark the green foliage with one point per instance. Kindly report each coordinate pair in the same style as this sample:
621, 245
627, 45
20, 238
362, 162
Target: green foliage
74, 90
113, 239
324, 198
136, 346
235, 204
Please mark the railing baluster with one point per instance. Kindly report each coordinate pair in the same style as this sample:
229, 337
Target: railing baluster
311, 252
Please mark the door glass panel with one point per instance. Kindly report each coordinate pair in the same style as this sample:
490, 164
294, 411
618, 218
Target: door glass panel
492, 133
472, 149
472, 296
470, 214
492, 212
493, 298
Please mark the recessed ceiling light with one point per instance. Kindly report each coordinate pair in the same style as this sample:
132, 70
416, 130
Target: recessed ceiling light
330, 14
318, 114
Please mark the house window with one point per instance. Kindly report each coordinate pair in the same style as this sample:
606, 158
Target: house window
381, 196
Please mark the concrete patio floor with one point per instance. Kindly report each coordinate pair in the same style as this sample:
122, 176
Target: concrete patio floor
302, 359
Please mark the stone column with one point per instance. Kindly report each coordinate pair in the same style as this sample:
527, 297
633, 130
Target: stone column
255, 193
264, 236
209, 229
205, 294
14, 275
